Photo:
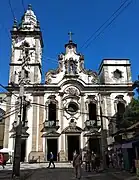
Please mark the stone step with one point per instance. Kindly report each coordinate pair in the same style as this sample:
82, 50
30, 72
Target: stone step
38, 165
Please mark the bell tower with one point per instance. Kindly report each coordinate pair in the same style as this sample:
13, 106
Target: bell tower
26, 34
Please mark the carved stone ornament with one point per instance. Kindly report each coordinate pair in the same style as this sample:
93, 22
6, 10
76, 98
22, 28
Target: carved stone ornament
87, 71
72, 91
51, 74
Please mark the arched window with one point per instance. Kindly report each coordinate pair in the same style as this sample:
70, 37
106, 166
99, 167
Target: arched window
92, 112
120, 111
52, 112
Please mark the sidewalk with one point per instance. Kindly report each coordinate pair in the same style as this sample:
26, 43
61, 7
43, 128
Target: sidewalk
122, 175
7, 174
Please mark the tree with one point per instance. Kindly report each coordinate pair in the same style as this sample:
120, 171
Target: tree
131, 114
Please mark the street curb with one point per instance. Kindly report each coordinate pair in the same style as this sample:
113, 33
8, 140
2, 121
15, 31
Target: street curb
29, 174
121, 178
114, 175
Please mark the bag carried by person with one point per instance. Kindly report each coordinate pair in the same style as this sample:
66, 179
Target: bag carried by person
75, 159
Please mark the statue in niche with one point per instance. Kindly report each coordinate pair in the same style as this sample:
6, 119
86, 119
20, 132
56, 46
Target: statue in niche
66, 67
72, 66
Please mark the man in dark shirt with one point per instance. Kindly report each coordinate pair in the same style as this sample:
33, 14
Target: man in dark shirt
51, 160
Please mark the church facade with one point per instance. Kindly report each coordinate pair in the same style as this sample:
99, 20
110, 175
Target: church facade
63, 114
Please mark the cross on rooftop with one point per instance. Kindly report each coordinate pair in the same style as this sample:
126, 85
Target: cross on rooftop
70, 35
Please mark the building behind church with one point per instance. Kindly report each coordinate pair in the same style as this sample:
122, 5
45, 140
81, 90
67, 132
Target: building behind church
64, 112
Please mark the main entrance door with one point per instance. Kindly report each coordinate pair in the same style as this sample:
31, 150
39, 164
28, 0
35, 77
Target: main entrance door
52, 146
73, 144
23, 150
94, 145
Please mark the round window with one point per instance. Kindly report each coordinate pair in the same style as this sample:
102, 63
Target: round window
72, 108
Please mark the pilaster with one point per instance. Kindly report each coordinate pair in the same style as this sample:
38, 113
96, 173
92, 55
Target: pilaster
61, 152
7, 124
34, 123
41, 119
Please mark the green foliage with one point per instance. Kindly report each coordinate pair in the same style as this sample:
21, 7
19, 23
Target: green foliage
131, 114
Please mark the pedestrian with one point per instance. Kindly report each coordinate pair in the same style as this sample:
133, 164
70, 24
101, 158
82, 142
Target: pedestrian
2, 162
87, 159
51, 160
77, 162
97, 162
120, 158
107, 159
74, 153
93, 161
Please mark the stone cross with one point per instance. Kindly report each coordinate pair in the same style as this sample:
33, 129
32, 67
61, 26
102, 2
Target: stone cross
70, 35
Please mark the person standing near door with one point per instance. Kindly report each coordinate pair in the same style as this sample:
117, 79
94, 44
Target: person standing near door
87, 159
77, 162
51, 160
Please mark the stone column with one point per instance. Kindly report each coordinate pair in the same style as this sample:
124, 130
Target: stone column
83, 119
34, 123
108, 101
66, 147
7, 124
62, 151
103, 105
46, 149
37, 49
37, 60
128, 71
106, 74
41, 120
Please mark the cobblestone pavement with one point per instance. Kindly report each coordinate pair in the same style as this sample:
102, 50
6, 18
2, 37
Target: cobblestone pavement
27, 169
63, 171
67, 174
7, 174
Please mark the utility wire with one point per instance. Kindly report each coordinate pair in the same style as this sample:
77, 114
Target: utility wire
10, 5
107, 22
9, 113
44, 106
8, 90
23, 5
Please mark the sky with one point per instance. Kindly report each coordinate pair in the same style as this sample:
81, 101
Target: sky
57, 17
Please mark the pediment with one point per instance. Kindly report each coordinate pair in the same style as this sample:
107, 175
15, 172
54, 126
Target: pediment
72, 129
51, 134
92, 134
24, 135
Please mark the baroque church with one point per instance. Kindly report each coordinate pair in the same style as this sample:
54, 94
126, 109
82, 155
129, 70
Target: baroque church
63, 113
